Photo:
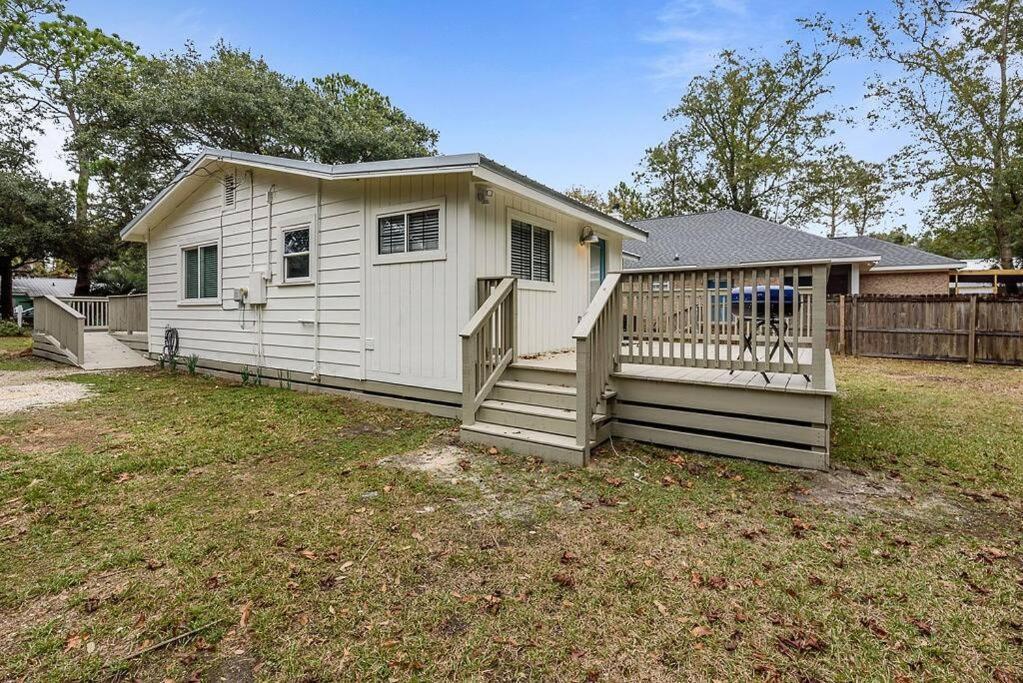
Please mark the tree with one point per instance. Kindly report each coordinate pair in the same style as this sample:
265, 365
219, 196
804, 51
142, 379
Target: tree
33, 214
869, 195
56, 56
747, 133
827, 191
585, 195
155, 113
622, 201
960, 91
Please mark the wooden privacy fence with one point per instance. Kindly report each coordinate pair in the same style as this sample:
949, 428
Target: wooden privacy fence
973, 329
128, 313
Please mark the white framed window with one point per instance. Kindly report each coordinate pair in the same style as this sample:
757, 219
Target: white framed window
200, 273
530, 248
296, 254
414, 232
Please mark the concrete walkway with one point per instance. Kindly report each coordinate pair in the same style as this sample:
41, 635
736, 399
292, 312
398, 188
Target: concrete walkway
103, 352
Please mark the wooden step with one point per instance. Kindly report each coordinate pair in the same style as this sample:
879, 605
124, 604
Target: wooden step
535, 374
532, 417
550, 395
549, 447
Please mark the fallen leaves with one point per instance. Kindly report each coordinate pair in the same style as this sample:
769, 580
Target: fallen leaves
801, 641
564, 579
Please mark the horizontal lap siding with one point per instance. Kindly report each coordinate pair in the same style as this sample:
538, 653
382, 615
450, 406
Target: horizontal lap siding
222, 332
546, 318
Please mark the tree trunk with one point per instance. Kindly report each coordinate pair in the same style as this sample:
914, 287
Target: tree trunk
6, 288
84, 274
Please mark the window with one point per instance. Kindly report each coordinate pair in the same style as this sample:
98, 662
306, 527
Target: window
230, 190
530, 251
200, 266
409, 232
296, 254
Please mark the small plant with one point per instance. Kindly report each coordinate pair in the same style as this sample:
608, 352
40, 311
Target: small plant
192, 362
284, 379
173, 362
163, 362
245, 376
9, 328
259, 377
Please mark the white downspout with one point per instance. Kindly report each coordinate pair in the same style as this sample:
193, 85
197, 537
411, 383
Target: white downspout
854, 278
314, 270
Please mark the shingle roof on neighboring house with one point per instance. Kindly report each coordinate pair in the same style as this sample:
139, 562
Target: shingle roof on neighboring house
897, 256
729, 237
41, 286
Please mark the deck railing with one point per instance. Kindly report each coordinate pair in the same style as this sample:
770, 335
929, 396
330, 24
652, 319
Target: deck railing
62, 323
598, 346
488, 343
713, 318
128, 313
94, 308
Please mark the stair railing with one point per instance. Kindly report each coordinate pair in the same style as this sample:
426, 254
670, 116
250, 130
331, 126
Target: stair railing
63, 324
488, 346
598, 346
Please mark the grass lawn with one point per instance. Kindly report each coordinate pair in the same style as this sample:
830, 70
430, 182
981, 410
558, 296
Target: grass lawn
11, 353
297, 538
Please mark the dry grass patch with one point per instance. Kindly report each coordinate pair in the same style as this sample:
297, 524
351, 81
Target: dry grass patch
317, 537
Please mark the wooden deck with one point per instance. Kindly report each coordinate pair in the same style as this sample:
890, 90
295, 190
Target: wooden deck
738, 379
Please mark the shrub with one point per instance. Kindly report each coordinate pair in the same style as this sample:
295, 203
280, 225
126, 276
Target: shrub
9, 328
191, 363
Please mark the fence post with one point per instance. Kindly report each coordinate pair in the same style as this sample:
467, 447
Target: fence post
855, 315
841, 324
971, 350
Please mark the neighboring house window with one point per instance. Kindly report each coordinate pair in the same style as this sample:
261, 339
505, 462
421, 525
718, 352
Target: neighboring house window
409, 232
296, 254
530, 251
201, 278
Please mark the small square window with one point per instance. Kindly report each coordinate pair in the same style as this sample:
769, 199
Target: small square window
296, 254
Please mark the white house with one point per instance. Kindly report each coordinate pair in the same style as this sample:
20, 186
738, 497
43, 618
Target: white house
434, 283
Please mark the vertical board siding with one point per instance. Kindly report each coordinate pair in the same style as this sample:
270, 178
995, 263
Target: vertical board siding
222, 331
546, 318
414, 310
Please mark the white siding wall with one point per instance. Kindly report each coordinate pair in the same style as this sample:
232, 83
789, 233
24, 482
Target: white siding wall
223, 332
546, 318
413, 311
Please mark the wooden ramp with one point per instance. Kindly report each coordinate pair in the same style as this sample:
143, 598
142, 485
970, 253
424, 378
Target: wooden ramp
104, 352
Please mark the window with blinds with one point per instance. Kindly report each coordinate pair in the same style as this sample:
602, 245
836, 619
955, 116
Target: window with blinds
530, 251
200, 269
409, 232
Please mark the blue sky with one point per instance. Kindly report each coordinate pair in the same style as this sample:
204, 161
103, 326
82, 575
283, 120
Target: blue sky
568, 93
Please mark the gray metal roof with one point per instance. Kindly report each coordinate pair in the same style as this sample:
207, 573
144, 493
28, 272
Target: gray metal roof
899, 256
727, 237
438, 164
41, 286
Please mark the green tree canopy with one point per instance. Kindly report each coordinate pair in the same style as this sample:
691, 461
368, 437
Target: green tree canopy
747, 132
959, 90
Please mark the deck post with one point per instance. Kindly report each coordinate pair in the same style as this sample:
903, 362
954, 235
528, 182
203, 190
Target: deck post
820, 326
582, 392
468, 380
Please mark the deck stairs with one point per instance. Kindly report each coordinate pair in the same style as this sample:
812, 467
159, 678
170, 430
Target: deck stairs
531, 410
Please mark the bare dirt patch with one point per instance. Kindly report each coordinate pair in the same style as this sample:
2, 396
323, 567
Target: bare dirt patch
18, 397
501, 494
857, 493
